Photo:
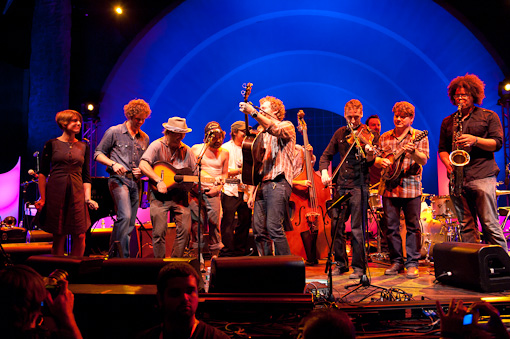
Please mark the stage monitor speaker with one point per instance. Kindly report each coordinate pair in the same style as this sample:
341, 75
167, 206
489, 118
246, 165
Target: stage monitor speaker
19, 253
140, 245
270, 274
472, 266
143, 271
81, 270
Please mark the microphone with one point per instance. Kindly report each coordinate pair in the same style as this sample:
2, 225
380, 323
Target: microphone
36, 154
210, 134
32, 173
507, 172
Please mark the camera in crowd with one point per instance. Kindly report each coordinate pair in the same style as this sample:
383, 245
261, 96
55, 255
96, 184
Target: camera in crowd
52, 281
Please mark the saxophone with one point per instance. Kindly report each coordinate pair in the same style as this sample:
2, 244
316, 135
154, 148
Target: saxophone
458, 157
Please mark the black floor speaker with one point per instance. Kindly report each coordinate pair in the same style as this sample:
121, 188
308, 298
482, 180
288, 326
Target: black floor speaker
81, 270
142, 271
472, 266
278, 274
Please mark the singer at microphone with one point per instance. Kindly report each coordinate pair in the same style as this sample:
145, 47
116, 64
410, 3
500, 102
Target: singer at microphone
32, 173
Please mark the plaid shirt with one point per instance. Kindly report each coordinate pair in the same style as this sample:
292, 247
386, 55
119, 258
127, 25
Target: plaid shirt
279, 142
408, 183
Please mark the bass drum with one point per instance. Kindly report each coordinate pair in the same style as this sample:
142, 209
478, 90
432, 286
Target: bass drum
432, 231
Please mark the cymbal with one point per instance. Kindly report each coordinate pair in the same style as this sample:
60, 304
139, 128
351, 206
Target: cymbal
425, 195
502, 192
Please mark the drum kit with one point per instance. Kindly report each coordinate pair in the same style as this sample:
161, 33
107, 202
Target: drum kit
438, 221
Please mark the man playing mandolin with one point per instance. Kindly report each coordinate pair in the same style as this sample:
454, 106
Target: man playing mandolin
352, 175
403, 191
171, 150
215, 163
272, 199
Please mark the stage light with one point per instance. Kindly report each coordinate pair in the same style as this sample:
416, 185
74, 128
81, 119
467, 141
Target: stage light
89, 110
504, 89
118, 10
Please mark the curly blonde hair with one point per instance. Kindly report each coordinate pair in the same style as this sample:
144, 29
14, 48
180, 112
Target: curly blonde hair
135, 107
404, 108
276, 105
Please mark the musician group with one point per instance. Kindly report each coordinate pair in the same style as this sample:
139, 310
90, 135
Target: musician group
394, 159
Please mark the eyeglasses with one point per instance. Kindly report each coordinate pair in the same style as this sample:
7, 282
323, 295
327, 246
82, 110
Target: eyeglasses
461, 96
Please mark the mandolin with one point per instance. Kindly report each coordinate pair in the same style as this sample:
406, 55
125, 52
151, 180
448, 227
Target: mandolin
182, 178
397, 159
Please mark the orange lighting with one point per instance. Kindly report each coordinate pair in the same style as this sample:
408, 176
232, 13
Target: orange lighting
118, 10
507, 87
90, 107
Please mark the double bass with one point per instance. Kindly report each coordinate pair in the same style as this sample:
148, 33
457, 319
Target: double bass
309, 219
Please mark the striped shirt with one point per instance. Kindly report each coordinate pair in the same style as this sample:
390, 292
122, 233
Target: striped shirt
408, 183
279, 142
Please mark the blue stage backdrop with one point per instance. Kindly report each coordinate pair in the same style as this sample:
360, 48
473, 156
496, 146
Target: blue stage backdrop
192, 61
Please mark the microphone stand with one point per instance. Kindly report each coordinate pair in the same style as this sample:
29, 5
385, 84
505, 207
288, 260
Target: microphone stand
329, 262
343, 198
199, 166
364, 280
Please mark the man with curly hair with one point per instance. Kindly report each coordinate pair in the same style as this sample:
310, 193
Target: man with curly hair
403, 192
120, 150
482, 135
271, 202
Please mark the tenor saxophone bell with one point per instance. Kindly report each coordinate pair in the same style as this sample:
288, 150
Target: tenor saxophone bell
459, 158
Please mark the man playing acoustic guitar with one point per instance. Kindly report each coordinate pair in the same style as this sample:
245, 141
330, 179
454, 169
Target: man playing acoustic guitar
165, 197
403, 191
272, 198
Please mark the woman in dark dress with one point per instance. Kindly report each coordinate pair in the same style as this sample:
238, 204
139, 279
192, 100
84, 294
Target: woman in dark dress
66, 196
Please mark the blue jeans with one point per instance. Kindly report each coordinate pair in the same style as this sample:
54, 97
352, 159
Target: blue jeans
159, 218
124, 192
269, 212
412, 210
353, 208
478, 202
213, 208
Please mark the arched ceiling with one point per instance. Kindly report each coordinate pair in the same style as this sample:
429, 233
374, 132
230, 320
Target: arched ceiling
192, 61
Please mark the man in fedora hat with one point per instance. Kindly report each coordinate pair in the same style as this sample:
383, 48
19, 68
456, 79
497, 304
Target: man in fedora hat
214, 160
234, 198
172, 150
120, 150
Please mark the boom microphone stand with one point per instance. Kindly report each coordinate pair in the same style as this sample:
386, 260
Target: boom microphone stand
199, 166
364, 280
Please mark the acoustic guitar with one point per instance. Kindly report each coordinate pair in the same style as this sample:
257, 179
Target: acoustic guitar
253, 150
182, 178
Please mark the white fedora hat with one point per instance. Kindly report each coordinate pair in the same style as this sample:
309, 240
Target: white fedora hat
177, 125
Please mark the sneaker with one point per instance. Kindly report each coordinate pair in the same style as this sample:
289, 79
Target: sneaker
412, 272
357, 274
395, 269
339, 270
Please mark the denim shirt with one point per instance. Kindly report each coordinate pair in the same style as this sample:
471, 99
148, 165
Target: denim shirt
118, 145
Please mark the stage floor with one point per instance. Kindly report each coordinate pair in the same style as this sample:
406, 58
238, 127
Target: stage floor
422, 288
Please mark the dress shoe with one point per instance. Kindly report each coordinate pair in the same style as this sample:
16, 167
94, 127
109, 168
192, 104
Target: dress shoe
311, 262
394, 269
412, 272
339, 270
357, 274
